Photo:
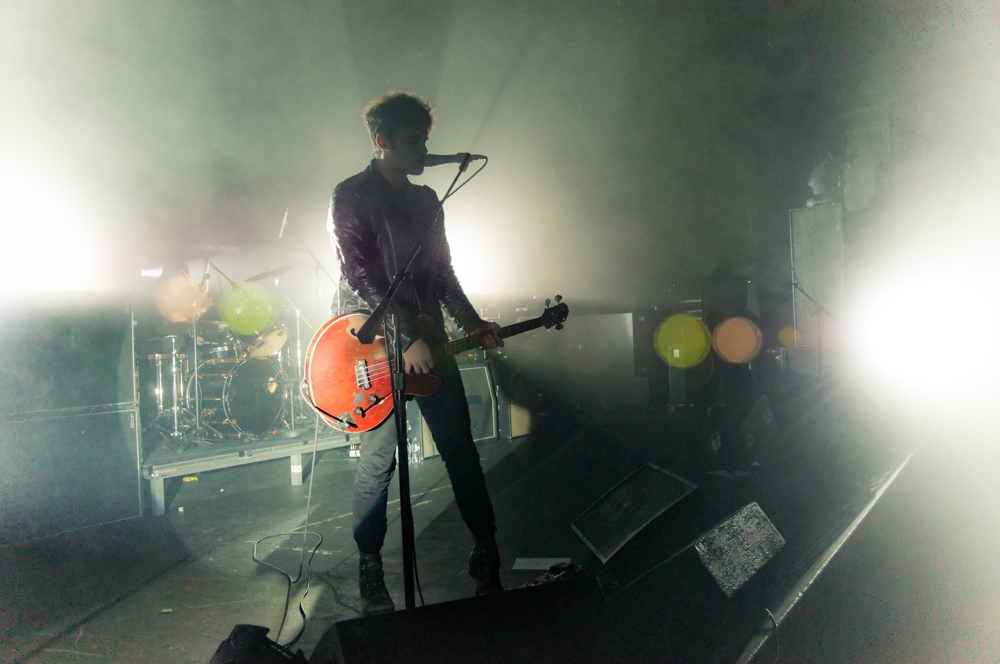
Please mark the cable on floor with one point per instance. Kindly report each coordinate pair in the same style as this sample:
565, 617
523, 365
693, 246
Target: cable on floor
777, 637
303, 562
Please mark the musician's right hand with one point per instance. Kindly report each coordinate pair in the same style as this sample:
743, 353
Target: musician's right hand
418, 357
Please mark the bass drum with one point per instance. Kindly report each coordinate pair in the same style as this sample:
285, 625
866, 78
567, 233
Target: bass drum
242, 397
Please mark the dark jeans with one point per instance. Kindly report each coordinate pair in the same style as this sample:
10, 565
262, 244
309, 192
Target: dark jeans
447, 415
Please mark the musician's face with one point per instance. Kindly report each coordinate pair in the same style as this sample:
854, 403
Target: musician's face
406, 151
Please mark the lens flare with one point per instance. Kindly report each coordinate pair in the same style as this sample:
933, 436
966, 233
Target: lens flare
788, 336
698, 376
181, 300
682, 341
247, 308
737, 340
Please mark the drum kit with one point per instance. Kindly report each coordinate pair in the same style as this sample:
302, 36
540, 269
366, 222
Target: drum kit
228, 387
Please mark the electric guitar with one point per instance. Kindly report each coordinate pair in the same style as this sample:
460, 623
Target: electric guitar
349, 383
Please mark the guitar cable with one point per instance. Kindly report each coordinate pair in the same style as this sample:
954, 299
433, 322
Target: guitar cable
302, 559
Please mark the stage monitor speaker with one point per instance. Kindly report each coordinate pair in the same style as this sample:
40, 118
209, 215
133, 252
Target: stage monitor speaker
817, 240
738, 547
725, 556
481, 397
544, 623
628, 507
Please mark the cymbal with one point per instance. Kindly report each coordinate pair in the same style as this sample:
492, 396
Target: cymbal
268, 274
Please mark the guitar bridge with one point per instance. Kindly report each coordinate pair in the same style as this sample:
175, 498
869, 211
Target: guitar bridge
361, 374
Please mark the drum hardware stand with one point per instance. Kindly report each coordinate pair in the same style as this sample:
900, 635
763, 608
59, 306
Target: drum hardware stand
175, 405
197, 388
317, 266
294, 395
366, 335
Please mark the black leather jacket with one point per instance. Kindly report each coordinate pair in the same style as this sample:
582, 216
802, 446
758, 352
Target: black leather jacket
374, 225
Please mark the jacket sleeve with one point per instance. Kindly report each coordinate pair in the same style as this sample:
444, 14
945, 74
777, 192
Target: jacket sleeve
357, 247
451, 293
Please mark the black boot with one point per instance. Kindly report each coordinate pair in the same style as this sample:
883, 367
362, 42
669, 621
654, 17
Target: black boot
374, 595
484, 566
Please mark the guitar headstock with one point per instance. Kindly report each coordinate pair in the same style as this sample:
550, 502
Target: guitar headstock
555, 316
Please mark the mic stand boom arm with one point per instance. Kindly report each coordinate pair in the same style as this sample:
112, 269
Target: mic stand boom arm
366, 335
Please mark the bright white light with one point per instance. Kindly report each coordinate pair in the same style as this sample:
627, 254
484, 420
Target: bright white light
51, 242
476, 265
930, 336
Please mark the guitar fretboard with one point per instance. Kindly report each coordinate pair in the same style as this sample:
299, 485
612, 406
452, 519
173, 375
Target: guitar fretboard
462, 345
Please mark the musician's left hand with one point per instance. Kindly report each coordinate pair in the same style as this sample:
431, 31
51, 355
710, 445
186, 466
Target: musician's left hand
489, 336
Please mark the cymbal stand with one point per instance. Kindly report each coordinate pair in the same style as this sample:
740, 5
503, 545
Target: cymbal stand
175, 398
197, 388
295, 393
317, 266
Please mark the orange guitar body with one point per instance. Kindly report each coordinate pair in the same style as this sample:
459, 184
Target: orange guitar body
350, 383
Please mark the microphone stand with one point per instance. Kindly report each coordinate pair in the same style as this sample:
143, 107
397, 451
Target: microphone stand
366, 335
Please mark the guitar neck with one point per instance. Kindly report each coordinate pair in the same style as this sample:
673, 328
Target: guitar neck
468, 343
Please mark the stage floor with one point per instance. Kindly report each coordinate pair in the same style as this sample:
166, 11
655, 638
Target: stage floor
916, 582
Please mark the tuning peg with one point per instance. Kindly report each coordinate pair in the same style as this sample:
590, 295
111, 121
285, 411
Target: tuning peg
559, 326
547, 301
558, 299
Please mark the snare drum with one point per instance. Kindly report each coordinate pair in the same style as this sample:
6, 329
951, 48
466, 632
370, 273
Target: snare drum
223, 352
240, 396
270, 343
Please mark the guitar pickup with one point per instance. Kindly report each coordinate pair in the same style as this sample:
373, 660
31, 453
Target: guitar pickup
361, 374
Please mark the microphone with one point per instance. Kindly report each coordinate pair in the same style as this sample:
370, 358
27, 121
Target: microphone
284, 223
438, 159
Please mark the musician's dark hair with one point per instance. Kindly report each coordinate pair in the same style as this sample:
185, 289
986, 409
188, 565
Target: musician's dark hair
393, 111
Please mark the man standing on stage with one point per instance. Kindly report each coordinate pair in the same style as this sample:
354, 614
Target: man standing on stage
375, 219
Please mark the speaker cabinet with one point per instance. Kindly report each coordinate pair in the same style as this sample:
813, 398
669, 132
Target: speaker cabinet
817, 239
69, 422
62, 472
481, 397
543, 623
517, 399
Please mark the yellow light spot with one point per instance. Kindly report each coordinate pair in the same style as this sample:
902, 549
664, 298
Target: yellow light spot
737, 340
788, 336
682, 341
247, 308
